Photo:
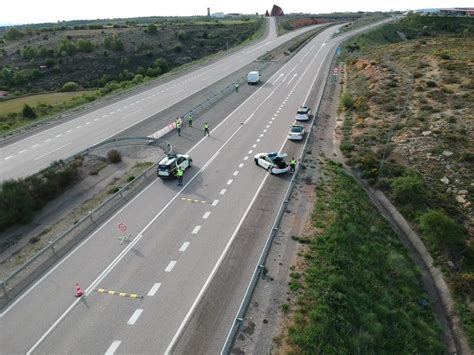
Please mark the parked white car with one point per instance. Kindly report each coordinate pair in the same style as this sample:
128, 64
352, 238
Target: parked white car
303, 113
167, 166
296, 132
273, 162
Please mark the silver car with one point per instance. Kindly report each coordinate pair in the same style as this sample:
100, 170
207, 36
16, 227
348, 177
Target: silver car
296, 132
303, 113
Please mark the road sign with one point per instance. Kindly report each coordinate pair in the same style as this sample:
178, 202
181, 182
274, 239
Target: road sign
338, 51
122, 227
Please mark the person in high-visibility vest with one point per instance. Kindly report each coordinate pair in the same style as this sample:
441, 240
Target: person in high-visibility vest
179, 175
190, 120
206, 129
178, 127
292, 165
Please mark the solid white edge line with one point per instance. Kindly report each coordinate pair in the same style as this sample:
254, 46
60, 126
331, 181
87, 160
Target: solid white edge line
154, 289
170, 266
51, 152
135, 316
113, 347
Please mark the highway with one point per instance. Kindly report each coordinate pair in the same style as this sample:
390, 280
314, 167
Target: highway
178, 246
29, 155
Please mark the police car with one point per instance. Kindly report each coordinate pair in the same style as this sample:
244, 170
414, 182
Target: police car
167, 167
273, 162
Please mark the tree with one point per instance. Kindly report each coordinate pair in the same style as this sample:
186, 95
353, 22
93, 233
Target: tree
152, 29
13, 34
162, 64
16, 203
28, 112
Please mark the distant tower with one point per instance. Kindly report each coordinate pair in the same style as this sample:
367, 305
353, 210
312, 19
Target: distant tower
208, 11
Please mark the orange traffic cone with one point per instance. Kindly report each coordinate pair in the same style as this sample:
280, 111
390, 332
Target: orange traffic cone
79, 291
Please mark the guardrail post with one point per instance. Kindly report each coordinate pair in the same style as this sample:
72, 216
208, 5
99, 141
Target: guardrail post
2, 286
51, 245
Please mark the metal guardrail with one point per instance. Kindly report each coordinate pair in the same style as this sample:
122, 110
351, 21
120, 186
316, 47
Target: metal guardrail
263, 256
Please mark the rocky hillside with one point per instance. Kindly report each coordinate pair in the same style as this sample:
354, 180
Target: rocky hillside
44, 59
408, 112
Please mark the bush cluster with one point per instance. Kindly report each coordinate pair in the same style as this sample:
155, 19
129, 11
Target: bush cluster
20, 198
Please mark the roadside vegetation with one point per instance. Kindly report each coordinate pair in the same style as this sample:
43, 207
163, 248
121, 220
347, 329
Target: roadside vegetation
355, 287
100, 58
409, 130
292, 22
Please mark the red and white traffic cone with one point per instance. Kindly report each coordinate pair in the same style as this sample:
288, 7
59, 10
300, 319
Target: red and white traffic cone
79, 291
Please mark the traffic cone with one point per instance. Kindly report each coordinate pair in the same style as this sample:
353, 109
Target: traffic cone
79, 291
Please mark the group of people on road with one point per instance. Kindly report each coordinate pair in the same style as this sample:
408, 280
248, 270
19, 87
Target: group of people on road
179, 122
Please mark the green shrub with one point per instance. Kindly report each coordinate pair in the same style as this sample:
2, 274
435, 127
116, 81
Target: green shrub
181, 35
408, 189
347, 101
442, 229
151, 29
28, 112
114, 156
70, 86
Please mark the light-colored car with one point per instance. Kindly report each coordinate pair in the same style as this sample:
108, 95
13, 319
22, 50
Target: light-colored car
253, 78
167, 167
273, 162
296, 132
303, 113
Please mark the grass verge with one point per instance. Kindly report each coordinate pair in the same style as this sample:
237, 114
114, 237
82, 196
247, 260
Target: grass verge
358, 292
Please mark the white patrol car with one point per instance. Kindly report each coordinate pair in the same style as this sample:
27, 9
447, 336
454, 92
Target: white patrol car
273, 162
303, 113
167, 166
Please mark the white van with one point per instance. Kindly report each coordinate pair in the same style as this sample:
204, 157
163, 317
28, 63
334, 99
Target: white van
253, 77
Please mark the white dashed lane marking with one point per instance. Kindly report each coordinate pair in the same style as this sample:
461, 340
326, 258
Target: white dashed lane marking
34, 146
22, 151
229, 181
258, 140
246, 158
9, 157
59, 135
170, 266
184, 246
215, 202
250, 151
154, 289
47, 140
113, 347
236, 173
241, 165
254, 146
206, 215
196, 230
222, 192
135, 316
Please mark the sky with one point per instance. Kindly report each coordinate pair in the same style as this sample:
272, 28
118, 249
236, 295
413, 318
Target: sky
38, 11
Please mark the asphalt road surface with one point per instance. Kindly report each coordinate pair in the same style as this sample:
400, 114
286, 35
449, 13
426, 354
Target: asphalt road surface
33, 153
178, 246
